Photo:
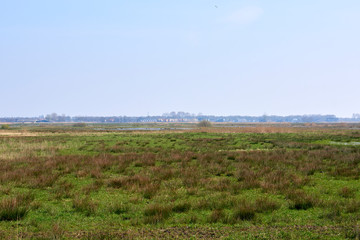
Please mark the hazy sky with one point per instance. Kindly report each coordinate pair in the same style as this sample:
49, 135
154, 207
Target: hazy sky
222, 57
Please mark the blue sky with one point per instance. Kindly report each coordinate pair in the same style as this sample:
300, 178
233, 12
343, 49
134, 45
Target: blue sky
243, 57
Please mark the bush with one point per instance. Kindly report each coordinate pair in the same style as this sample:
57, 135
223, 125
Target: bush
5, 126
204, 123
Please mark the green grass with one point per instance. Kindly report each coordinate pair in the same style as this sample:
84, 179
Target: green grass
239, 183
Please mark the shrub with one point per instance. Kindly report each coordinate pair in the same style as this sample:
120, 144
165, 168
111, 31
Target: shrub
204, 123
5, 126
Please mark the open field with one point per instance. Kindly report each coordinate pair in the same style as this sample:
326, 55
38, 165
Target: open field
249, 181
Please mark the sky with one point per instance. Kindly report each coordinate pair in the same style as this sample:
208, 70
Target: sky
218, 57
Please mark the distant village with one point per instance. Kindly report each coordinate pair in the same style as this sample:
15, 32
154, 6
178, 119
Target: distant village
181, 117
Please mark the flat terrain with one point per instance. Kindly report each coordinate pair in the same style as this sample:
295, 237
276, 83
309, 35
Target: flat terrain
229, 181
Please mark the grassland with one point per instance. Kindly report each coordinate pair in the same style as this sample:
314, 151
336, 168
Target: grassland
271, 181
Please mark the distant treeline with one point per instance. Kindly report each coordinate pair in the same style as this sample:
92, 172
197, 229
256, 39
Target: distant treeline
181, 117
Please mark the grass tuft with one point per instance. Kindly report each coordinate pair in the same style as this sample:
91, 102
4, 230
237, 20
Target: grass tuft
216, 215
181, 207
347, 192
299, 200
264, 204
12, 209
244, 211
84, 205
156, 213
118, 208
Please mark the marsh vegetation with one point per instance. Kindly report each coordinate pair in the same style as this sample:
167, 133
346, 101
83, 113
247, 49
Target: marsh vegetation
270, 181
